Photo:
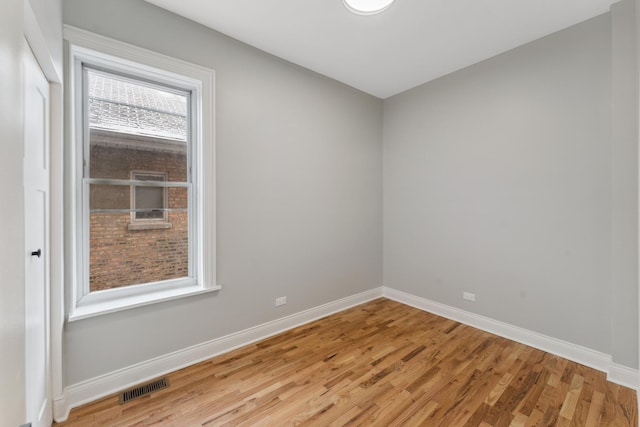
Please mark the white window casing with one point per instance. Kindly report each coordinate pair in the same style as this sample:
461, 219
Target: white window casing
98, 51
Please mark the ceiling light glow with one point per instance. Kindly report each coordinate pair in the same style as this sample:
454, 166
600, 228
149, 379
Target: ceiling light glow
367, 7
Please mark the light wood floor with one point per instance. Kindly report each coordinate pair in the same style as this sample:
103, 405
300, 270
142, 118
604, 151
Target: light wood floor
379, 364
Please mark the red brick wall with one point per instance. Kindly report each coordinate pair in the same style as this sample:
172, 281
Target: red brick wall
120, 256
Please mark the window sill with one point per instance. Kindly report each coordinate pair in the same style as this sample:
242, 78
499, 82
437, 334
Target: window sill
93, 309
149, 226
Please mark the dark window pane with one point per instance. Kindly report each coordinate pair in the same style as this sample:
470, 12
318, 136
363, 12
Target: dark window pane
149, 202
151, 199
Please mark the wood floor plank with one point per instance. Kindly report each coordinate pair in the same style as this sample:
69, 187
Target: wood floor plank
595, 410
497, 391
378, 364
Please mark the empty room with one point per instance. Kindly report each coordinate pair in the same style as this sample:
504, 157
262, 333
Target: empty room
320, 212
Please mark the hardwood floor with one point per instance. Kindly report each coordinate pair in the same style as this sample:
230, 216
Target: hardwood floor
379, 364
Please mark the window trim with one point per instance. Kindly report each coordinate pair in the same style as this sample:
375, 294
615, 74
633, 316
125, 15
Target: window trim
102, 51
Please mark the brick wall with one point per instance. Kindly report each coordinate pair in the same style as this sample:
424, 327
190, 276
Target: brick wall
120, 255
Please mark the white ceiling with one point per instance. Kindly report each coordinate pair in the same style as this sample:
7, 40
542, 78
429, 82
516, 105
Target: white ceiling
412, 42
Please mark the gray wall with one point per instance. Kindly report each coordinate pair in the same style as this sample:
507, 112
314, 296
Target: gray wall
498, 181
12, 368
624, 139
299, 181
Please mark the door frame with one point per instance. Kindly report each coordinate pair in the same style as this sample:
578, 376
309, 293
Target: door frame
43, 54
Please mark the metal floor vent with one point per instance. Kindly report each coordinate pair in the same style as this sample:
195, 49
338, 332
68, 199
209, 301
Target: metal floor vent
143, 390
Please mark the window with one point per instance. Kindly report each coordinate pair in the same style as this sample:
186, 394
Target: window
144, 176
149, 207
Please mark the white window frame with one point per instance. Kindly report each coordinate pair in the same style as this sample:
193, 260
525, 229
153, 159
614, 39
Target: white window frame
102, 52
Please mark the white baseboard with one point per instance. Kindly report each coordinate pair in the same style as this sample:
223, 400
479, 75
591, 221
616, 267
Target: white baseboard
618, 374
113, 382
623, 375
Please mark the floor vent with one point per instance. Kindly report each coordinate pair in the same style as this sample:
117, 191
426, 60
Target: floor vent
143, 390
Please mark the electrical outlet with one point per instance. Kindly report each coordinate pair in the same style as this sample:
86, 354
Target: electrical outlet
281, 301
469, 296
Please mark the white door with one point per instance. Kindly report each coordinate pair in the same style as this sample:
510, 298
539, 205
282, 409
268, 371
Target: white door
36, 205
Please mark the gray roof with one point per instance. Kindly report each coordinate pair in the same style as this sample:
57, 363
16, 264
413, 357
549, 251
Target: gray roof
118, 105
